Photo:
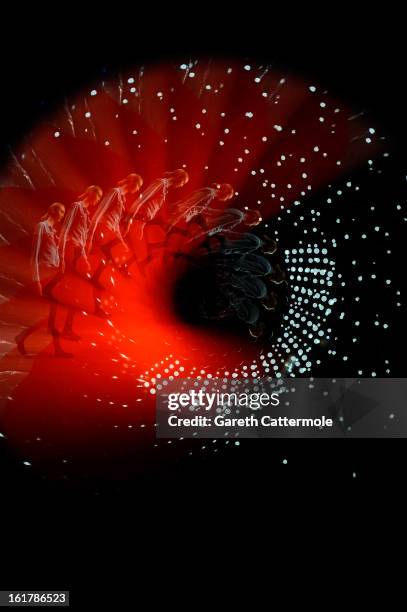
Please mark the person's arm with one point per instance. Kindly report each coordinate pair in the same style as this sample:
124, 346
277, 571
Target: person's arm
185, 210
66, 228
84, 254
36, 254
102, 209
118, 231
147, 194
119, 236
151, 191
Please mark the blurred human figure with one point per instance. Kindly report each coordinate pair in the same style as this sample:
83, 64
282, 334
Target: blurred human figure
147, 208
45, 263
218, 228
75, 231
218, 222
191, 208
106, 223
198, 202
73, 243
106, 228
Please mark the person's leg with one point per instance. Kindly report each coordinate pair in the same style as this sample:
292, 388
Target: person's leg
67, 331
21, 338
47, 293
107, 250
72, 256
98, 289
124, 268
94, 280
58, 350
24, 335
48, 288
200, 221
212, 245
52, 319
108, 247
98, 310
77, 254
150, 246
163, 243
150, 255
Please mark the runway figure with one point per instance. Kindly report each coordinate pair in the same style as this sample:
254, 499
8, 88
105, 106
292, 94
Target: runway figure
150, 202
147, 208
45, 263
191, 208
74, 237
105, 230
198, 202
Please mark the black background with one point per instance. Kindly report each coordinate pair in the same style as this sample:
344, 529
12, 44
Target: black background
359, 55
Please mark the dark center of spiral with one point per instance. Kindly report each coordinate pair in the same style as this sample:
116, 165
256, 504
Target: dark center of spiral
233, 288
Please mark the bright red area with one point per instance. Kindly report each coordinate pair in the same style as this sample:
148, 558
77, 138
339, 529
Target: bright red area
102, 385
